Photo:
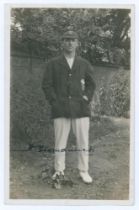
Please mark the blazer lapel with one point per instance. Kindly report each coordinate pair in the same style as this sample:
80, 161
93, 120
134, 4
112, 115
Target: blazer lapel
75, 64
63, 62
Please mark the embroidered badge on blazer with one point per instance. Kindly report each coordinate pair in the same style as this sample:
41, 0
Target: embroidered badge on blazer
83, 84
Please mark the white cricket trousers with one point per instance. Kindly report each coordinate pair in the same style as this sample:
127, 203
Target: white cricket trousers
80, 127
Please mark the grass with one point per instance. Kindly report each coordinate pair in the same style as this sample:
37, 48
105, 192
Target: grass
31, 168
31, 171
30, 113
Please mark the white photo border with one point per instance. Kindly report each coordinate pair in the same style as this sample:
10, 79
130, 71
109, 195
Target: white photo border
7, 85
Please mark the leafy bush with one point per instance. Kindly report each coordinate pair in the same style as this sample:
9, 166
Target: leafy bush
30, 120
30, 117
113, 97
104, 33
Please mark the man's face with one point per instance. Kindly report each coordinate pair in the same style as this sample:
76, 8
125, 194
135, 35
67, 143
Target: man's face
70, 44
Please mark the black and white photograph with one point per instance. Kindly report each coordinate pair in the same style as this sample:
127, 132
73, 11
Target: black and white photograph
70, 104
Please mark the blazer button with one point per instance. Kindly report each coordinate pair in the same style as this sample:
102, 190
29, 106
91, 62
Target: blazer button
69, 97
70, 75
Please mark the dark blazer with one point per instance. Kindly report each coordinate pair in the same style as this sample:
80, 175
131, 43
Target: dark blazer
64, 88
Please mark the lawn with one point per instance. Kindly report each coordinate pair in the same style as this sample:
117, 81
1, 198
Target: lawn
31, 130
31, 170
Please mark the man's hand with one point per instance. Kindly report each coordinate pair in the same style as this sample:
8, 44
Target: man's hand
85, 97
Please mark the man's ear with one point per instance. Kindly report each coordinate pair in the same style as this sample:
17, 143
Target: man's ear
78, 43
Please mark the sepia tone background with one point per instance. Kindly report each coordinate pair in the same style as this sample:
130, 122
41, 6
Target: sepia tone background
105, 42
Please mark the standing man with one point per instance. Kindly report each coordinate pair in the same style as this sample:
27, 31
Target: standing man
68, 86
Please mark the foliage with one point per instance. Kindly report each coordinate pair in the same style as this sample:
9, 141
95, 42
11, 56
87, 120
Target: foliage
114, 96
30, 117
29, 112
102, 32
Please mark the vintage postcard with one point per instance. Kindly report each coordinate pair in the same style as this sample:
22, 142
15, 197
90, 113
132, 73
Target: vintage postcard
69, 94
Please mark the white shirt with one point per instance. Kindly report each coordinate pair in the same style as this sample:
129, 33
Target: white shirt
70, 61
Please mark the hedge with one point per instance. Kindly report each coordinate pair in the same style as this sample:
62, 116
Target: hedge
30, 114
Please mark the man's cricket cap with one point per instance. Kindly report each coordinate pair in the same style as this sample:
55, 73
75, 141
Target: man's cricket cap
70, 35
